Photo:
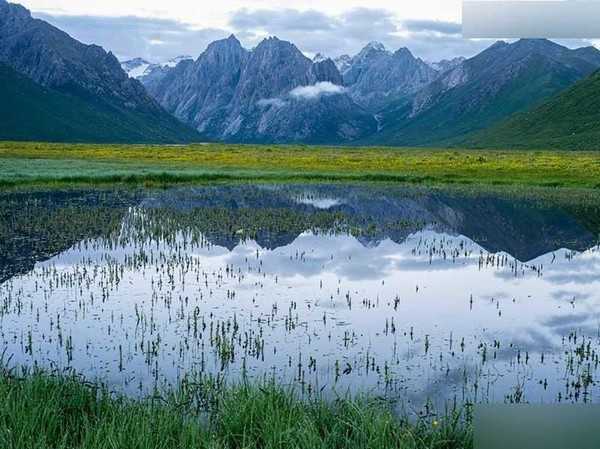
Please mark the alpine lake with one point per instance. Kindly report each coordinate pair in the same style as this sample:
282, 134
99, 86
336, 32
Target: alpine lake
425, 297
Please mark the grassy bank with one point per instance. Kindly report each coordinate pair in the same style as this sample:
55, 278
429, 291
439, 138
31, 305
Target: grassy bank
41, 411
40, 163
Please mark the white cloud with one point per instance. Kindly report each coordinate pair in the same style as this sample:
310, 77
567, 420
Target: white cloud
316, 90
275, 102
333, 28
429, 28
156, 40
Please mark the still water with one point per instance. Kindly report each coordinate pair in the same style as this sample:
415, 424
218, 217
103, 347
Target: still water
408, 294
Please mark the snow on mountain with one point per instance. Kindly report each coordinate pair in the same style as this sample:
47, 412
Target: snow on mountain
446, 64
176, 60
139, 67
343, 63
135, 67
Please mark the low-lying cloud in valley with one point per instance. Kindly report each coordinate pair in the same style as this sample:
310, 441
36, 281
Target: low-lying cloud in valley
310, 92
316, 90
274, 102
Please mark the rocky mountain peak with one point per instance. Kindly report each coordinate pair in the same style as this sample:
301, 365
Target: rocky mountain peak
374, 46
498, 44
375, 75
326, 70
370, 51
85, 80
543, 46
343, 63
176, 60
273, 93
273, 44
228, 42
227, 51
135, 61
404, 53
136, 67
319, 57
13, 12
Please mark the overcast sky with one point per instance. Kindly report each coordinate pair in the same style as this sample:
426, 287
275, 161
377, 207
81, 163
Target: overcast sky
158, 30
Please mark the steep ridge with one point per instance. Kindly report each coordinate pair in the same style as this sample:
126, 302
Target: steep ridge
54, 60
569, 120
29, 111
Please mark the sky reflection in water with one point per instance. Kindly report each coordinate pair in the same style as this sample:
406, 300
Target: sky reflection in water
425, 312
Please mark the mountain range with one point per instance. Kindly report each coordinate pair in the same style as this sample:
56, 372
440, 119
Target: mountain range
60, 89
273, 93
412, 102
500, 81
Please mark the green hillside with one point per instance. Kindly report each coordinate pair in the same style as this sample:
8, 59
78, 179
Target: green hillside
29, 111
569, 120
475, 106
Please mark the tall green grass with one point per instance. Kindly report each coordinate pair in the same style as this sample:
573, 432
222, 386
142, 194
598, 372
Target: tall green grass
40, 411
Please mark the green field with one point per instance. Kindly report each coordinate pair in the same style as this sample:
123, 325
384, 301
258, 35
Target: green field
42, 163
46, 412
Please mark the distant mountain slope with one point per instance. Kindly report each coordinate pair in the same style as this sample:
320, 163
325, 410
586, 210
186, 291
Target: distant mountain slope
569, 120
136, 67
29, 111
84, 77
139, 67
483, 90
375, 75
272, 94
446, 64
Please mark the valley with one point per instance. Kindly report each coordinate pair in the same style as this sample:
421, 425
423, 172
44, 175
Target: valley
290, 228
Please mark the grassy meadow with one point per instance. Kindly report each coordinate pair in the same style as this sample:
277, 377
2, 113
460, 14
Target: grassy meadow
43, 164
40, 411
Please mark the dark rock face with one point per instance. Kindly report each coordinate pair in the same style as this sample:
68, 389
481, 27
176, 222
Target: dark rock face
270, 94
276, 94
326, 70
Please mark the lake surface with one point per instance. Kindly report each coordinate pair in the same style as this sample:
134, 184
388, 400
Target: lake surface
416, 295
